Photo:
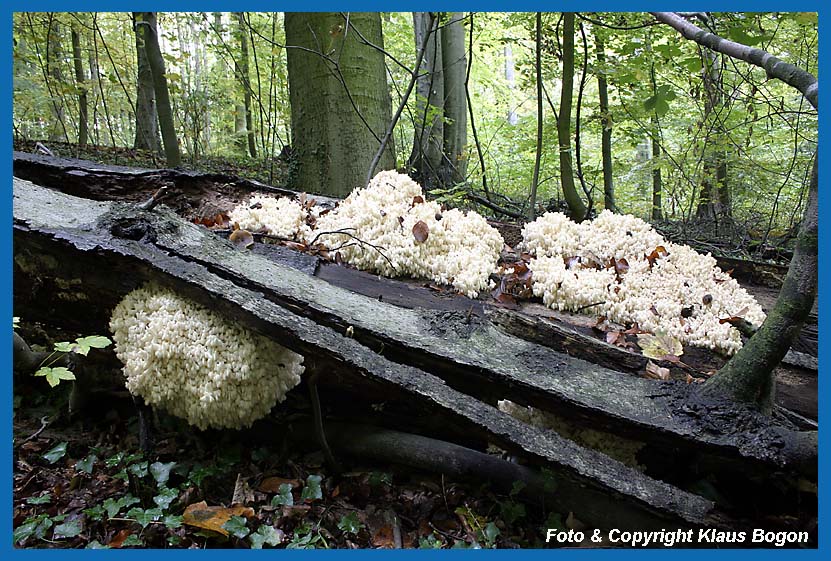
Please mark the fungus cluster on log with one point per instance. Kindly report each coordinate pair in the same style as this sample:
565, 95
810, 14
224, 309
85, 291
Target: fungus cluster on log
619, 267
196, 365
389, 228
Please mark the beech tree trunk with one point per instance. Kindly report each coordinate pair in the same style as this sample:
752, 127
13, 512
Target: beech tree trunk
532, 207
340, 104
577, 208
147, 21
454, 65
54, 56
81, 85
427, 155
147, 126
606, 130
244, 128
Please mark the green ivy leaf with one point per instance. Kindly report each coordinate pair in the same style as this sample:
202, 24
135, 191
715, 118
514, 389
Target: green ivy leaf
64, 347
268, 535
165, 497
237, 526
95, 544
95, 341
490, 533
139, 469
161, 472
56, 453
350, 524
36, 527
283, 496
144, 517
132, 541
114, 506
172, 522
312, 490
69, 529
86, 464
44, 499
95, 513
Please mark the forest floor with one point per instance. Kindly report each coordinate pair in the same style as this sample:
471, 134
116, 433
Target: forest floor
83, 482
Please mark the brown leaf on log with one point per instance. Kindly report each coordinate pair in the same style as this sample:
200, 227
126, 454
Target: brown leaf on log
242, 239
656, 372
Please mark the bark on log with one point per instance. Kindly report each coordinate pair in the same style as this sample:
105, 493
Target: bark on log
90, 236
58, 233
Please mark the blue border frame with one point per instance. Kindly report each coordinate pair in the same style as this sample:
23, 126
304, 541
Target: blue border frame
399, 5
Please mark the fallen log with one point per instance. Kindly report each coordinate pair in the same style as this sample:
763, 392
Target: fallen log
83, 245
469, 353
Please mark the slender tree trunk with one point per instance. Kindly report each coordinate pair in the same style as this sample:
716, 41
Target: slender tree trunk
428, 144
147, 22
606, 130
713, 193
147, 127
54, 57
749, 375
454, 66
532, 207
340, 103
657, 186
577, 207
81, 82
510, 77
243, 122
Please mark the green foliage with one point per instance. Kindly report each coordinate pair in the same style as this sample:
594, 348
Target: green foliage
350, 524
266, 535
283, 496
43, 499
237, 526
70, 528
312, 490
86, 464
35, 526
56, 453
161, 472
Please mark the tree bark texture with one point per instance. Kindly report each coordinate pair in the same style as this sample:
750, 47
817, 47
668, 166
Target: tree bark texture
147, 120
244, 128
54, 60
606, 130
147, 22
577, 208
426, 159
340, 104
532, 206
81, 85
454, 66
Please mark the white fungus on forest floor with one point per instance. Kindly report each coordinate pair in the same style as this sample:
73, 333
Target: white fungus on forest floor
183, 358
661, 286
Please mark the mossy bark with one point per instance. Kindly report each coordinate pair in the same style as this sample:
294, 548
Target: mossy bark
340, 104
749, 377
576, 206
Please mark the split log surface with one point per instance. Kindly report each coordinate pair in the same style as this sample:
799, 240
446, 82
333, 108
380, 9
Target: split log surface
87, 239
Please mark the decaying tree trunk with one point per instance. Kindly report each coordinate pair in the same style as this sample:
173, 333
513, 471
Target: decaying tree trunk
443, 356
101, 250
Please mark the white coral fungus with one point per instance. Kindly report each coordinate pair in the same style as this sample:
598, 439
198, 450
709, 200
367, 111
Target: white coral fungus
677, 291
181, 357
373, 229
282, 217
460, 248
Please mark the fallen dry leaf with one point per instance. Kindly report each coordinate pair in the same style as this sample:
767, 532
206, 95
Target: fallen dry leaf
272, 484
242, 239
200, 515
119, 538
383, 537
656, 372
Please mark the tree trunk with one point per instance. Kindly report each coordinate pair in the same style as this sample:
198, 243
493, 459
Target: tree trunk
428, 145
576, 206
80, 80
243, 127
147, 127
532, 207
713, 193
454, 65
657, 184
54, 57
606, 131
749, 375
340, 104
147, 22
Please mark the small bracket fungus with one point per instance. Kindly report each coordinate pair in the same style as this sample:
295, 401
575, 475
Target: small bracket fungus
182, 358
